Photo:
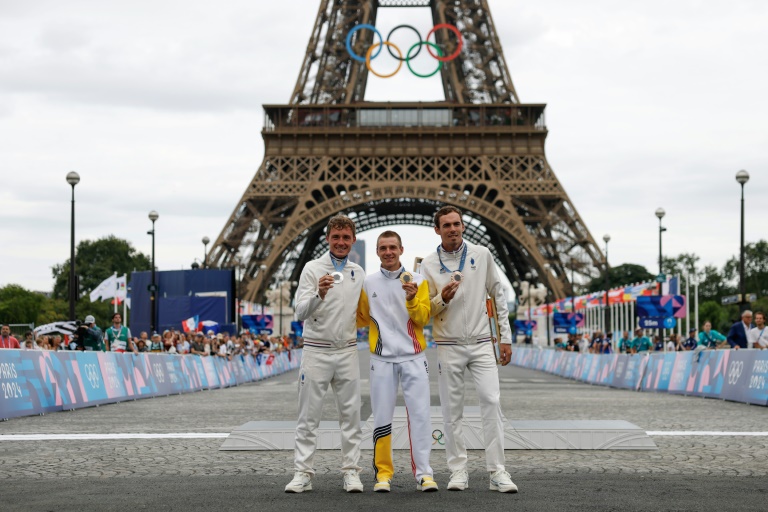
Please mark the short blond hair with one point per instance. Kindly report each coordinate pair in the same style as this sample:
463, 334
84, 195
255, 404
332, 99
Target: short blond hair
340, 222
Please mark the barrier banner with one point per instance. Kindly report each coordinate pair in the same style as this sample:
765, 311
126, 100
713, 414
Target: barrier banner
86, 384
37, 382
594, 368
681, 371
746, 378
211, 375
728, 374
144, 375
239, 370
607, 367
708, 375
629, 373
658, 373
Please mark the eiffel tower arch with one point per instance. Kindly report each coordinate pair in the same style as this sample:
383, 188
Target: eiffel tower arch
328, 151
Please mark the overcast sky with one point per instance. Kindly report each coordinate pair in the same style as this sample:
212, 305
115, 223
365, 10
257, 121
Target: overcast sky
157, 104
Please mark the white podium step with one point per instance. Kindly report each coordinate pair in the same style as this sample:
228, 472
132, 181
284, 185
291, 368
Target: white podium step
518, 435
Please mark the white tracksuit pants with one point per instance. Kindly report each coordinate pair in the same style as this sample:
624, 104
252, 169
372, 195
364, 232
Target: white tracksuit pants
340, 370
385, 377
481, 362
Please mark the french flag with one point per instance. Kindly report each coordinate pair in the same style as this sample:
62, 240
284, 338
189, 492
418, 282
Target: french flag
190, 324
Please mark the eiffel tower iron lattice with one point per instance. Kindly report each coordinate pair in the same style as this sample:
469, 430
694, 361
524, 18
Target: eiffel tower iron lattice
328, 151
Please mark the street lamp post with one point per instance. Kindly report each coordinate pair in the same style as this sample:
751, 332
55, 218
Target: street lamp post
742, 177
528, 277
660, 214
206, 240
73, 179
153, 216
606, 239
547, 269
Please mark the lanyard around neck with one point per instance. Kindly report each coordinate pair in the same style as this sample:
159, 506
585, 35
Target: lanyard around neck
340, 266
461, 263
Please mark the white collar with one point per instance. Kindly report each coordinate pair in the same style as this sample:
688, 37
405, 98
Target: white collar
392, 274
461, 248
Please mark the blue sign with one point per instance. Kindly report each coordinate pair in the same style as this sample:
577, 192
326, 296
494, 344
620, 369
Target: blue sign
658, 322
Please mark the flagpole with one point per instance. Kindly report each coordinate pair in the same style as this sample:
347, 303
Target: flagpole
125, 301
114, 292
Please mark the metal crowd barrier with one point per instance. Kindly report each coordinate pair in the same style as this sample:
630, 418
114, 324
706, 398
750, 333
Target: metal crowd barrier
736, 375
37, 382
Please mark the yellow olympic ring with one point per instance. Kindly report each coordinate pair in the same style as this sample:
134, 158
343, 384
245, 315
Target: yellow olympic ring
368, 59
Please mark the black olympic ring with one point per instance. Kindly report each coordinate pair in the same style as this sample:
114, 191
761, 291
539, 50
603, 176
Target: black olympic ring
437, 435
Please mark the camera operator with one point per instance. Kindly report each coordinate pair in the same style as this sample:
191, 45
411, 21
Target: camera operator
88, 336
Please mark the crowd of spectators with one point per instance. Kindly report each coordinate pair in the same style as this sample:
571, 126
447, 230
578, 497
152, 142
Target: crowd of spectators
743, 334
171, 342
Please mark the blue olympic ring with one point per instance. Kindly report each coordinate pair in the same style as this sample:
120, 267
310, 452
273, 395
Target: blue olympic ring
349, 42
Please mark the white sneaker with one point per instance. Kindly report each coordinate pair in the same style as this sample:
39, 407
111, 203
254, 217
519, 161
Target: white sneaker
352, 481
459, 480
501, 481
301, 482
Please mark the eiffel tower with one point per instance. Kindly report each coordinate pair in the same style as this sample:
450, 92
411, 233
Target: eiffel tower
327, 151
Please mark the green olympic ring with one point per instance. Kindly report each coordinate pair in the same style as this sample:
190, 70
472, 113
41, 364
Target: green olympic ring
437, 435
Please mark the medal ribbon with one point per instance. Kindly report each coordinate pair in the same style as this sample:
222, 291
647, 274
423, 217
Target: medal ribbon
461, 263
339, 267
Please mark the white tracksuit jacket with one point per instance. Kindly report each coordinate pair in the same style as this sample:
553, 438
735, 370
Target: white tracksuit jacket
329, 323
465, 319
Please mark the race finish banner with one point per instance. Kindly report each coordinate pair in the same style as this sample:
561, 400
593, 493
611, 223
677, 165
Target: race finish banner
37, 382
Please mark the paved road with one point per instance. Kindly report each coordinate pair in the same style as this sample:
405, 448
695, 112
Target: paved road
686, 473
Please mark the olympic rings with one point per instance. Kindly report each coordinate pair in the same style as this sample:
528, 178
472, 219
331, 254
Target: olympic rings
437, 435
349, 41
408, 58
399, 63
389, 36
370, 55
458, 36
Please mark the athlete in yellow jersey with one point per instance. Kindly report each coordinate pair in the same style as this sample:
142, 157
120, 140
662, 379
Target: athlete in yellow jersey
395, 306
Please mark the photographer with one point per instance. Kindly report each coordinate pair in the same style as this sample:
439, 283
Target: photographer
88, 336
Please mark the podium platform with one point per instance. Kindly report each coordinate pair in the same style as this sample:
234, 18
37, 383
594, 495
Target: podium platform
518, 435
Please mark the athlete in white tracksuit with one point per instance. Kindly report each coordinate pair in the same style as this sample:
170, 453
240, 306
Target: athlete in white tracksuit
330, 356
463, 336
395, 313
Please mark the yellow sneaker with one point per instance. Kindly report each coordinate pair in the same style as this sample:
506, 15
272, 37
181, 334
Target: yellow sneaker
427, 484
382, 486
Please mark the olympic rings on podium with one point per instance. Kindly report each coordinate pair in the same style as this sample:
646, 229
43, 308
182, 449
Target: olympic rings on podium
370, 55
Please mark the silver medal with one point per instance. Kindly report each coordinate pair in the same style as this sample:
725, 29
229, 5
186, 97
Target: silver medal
338, 277
457, 277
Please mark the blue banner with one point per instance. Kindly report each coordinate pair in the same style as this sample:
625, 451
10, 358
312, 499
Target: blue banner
36, 382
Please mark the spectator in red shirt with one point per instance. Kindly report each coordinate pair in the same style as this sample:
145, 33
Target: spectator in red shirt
6, 340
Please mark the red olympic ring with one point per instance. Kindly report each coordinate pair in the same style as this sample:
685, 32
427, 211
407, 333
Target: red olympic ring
458, 36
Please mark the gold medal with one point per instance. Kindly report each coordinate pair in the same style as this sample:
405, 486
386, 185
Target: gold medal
406, 277
457, 277
338, 277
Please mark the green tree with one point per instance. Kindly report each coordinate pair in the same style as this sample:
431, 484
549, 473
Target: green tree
19, 305
755, 268
621, 275
96, 260
711, 311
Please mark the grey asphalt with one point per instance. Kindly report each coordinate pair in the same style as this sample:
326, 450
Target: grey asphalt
685, 473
